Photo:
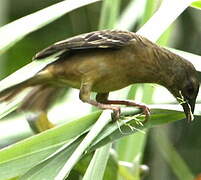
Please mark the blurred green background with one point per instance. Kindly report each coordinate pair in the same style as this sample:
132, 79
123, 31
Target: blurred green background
185, 35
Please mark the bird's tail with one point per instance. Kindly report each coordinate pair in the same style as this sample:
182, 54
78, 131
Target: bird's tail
36, 101
39, 98
11, 92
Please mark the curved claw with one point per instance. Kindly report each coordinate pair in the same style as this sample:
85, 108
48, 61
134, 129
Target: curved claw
116, 113
146, 112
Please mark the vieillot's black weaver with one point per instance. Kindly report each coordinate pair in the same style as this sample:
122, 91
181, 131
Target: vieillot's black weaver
104, 61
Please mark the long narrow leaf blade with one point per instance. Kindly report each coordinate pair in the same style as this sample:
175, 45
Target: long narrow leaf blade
35, 21
98, 163
46, 143
151, 29
196, 4
26, 72
39, 147
172, 157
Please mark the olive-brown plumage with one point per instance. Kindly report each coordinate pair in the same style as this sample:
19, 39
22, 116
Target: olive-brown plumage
104, 61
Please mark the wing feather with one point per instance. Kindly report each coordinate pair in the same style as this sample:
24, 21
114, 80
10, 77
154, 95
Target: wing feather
94, 40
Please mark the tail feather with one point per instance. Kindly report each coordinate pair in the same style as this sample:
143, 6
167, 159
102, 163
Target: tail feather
36, 103
10, 93
39, 98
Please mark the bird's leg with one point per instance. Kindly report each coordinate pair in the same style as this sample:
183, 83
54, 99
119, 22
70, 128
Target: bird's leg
103, 98
84, 95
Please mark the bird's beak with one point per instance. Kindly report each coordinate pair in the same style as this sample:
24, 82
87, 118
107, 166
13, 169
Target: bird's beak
189, 107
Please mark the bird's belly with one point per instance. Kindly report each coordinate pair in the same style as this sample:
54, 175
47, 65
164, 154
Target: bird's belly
103, 73
71, 83
103, 85
110, 83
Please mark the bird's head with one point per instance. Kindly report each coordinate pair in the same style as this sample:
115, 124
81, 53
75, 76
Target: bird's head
185, 87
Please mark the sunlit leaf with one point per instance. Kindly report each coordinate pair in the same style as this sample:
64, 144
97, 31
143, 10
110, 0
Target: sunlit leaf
98, 163
110, 171
38, 147
170, 154
153, 30
196, 4
15, 31
109, 14
17, 157
137, 6
30, 70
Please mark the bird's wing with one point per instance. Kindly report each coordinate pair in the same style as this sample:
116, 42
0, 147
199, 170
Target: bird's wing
93, 40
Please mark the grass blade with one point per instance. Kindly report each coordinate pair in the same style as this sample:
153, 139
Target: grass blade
30, 70
96, 129
172, 157
136, 6
196, 4
40, 146
35, 21
151, 29
53, 163
98, 163
15, 160
109, 14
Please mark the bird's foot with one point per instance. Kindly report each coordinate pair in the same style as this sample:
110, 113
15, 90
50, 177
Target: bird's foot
116, 113
146, 112
145, 109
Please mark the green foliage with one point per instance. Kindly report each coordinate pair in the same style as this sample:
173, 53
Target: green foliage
51, 149
82, 147
170, 154
32, 22
196, 4
98, 164
109, 14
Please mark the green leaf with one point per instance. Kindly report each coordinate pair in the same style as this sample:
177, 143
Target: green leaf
127, 23
30, 70
98, 163
52, 166
153, 30
173, 158
111, 168
39, 147
110, 133
158, 117
84, 145
196, 4
150, 7
15, 159
56, 170
110, 171
35, 21
135, 150
109, 14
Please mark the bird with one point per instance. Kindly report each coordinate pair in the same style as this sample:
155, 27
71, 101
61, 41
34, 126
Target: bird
104, 61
